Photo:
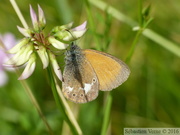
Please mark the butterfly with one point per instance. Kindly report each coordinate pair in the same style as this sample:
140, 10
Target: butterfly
88, 71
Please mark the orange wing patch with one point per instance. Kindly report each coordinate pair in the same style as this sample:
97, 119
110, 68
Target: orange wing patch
111, 72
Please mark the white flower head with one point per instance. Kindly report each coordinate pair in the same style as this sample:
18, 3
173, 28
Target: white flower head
36, 45
66, 35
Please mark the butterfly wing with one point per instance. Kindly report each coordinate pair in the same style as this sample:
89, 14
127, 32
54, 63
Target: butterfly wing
111, 71
80, 83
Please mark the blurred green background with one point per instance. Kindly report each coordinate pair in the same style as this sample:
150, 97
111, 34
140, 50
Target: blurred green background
149, 98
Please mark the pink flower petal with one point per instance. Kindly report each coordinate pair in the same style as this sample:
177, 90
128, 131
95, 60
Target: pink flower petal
33, 17
80, 27
41, 15
8, 40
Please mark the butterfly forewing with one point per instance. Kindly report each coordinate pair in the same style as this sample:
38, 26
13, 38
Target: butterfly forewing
80, 80
111, 72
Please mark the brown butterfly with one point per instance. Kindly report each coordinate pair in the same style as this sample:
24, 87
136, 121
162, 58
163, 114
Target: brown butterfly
88, 71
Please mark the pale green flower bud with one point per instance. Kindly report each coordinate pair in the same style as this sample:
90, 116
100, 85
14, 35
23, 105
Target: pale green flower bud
43, 56
42, 20
68, 36
65, 34
34, 19
57, 44
62, 27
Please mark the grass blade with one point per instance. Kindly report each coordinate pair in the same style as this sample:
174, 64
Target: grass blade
173, 48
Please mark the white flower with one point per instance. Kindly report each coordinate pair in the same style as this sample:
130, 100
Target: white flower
35, 44
64, 34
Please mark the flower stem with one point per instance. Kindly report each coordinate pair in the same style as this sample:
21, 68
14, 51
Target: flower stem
19, 14
135, 41
35, 103
62, 104
107, 112
24, 84
150, 34
31, 96
140, 13
92, 24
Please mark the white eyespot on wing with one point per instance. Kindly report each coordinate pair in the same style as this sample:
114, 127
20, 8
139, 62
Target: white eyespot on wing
87, 87
69, 88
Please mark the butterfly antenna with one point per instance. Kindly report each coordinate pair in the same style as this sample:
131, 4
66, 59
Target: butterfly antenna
71, 35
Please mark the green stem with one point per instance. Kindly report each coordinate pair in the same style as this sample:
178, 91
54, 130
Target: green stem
114, 12
24, 84
172, 47
106, 117
35, 103
140, 13
133, 46
19, 14
92, 24
62, 104
31, 96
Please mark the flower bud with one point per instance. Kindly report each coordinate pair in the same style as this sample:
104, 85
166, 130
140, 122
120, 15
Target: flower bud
62, 27
42, 20
43, 56
34, 19
57, 44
